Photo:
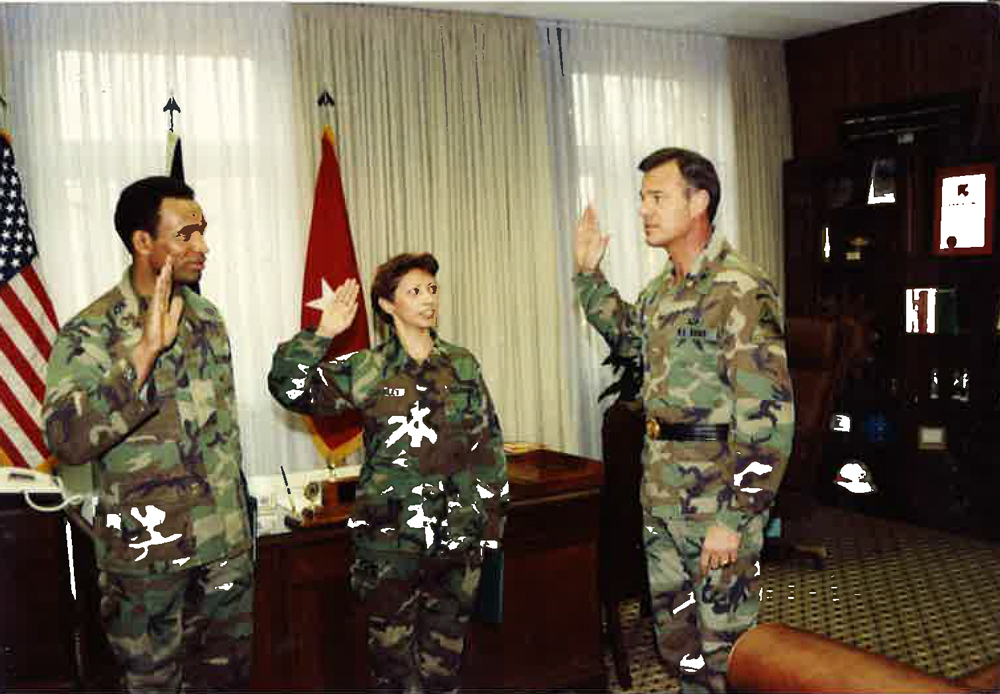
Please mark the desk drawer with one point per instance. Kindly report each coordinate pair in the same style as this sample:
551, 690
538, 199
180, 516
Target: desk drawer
555, 523
314, 563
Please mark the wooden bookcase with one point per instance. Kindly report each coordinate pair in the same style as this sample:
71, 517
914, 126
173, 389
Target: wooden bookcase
828, 198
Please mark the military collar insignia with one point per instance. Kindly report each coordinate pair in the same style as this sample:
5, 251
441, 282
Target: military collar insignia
136, 305
704, 267
709, 254
395, 353
131, 307
708, 263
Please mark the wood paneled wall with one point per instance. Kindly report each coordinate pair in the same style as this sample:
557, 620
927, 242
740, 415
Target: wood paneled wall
920, 54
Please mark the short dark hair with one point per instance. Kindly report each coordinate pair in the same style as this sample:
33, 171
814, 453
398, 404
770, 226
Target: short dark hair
139, 205
698, 172
389, 273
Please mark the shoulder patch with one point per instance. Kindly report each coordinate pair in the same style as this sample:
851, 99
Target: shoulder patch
768, 325
102, 307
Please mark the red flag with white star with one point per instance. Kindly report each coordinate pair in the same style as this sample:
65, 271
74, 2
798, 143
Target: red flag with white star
330, 261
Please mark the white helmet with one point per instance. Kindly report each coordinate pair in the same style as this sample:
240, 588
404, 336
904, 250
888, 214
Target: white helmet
854, 476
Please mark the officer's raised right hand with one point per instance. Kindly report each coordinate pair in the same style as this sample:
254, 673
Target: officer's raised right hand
339, 312
590, 242
162, 321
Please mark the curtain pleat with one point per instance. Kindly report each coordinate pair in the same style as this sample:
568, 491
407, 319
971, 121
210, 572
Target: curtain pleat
87, 89
468, 136
763, 143
615, 95
441, 135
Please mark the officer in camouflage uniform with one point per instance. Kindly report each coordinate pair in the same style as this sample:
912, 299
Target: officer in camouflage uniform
433, 487
141, 384
718, 401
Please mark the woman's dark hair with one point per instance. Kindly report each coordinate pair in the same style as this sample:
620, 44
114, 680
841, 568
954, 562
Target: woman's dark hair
389, 273
139, 205
698, 173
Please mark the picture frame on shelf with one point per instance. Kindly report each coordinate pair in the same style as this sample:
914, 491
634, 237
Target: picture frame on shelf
920, 317
996, 317
882, 189
964, 210
932, 438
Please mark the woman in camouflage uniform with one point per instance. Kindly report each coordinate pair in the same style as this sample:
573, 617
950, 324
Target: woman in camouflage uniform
433, 486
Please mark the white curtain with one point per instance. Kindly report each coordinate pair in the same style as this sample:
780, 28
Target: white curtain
441, 136
86, 90
615, 95
763, 144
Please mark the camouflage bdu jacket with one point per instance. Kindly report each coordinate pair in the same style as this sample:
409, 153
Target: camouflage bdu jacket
167, 455
434, 479
713, 351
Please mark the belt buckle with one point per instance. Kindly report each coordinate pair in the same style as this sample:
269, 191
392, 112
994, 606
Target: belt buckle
653, 428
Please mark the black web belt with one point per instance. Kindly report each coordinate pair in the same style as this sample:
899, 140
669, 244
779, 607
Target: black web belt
661, 430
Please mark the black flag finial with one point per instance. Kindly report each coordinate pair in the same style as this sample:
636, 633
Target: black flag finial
171, 107
325, 99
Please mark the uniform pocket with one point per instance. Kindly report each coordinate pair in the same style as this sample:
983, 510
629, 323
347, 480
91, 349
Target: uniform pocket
364, 578
378, 522
217, 374
693, 362
383, 584
150, 530
465, 527
462, 402
697, 470
147, 461
162, 427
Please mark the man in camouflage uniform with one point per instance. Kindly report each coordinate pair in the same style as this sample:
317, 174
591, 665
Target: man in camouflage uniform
433, 487
719, 409
142, 385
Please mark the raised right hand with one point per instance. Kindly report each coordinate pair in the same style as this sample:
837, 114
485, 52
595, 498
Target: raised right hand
339, 313
590, 242
162, 322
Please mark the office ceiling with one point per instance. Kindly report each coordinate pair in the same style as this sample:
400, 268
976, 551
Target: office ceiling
766, 20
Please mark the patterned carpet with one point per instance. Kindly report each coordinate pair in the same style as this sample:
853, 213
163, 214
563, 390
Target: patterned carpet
925, 598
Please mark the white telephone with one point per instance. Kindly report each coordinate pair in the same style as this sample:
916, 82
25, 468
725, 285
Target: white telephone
15, 480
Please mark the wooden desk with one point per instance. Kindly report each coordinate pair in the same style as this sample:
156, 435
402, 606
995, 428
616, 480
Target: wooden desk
309, 634
36, 605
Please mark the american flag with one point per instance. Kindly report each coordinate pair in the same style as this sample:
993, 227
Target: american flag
28, 327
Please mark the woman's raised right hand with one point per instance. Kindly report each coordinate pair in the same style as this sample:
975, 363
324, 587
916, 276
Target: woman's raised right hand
339, 312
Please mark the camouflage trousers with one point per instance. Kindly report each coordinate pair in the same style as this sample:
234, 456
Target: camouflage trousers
698, 617
418, 613
184, 631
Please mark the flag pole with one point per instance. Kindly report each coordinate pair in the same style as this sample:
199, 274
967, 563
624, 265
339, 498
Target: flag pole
330, 260
333, 457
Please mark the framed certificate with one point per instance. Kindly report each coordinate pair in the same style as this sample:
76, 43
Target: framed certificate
932, 439
964, 202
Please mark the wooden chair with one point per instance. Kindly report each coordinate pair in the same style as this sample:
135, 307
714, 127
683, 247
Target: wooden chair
818, 358
622, 559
